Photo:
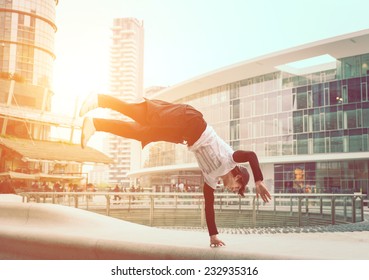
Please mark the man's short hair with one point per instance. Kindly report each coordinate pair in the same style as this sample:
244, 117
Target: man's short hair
245, 176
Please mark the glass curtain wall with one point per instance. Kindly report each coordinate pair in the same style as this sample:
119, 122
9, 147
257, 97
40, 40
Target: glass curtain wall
27, 40
280, 114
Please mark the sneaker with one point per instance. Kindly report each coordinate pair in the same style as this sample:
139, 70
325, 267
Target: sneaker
90, 103
88, 129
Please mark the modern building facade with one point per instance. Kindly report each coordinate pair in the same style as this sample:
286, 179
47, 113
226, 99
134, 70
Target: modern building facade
126, 82
304, 111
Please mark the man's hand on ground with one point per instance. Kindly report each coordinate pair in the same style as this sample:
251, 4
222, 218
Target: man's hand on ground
215, 242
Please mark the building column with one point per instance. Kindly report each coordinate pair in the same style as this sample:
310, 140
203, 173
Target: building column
8, 103
75, 115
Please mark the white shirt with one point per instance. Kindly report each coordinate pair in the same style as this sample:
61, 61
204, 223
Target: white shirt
213, 155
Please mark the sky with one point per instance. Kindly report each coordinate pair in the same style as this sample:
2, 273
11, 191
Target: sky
187, 38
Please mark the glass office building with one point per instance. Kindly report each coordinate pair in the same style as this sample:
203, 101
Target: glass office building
27, 40
26, 65
308, 123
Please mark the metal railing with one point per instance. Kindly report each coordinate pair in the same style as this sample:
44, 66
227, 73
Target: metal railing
333, 208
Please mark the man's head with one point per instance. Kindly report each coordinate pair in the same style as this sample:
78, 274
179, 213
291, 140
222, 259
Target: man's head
236, 180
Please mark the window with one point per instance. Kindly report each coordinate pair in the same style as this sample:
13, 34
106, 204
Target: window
340, 119
298, 125
235, 109
301, 100
318, 95
365, 117
355, 143
322, 121
349, 119
354, 90
364, 92
316, 121
272, 104
235, 126
326, 96
344, 95
302, 144
335, 94
259, 106
309, 99
262, 128
275, 126
319, 143
286, 100
331, 118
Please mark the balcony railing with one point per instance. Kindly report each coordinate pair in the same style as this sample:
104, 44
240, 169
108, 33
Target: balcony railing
148, 208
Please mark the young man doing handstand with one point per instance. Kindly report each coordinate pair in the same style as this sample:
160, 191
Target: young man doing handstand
156, 120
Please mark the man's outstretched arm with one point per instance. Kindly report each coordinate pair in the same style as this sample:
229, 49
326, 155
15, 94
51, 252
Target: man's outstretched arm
210, 216
249, 156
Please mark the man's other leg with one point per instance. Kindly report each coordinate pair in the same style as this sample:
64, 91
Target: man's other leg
132, 130
88, 129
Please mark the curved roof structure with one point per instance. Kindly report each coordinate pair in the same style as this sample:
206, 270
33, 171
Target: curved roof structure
337, 47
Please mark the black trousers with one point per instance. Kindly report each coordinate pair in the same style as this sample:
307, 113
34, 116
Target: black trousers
153, 120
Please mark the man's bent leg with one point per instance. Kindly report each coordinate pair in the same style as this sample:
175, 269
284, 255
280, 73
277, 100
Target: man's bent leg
136, 111
88, 129
88, 104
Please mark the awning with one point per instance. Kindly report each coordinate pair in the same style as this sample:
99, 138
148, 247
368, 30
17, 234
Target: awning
41, 150
40, 176
19, 176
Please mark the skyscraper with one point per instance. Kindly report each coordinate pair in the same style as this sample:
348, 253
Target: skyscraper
127, 53
26, 63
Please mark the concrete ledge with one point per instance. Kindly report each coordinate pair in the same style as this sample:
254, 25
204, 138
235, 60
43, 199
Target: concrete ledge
46, 231
10, 198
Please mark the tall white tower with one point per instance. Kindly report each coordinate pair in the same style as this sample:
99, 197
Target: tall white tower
126, 82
